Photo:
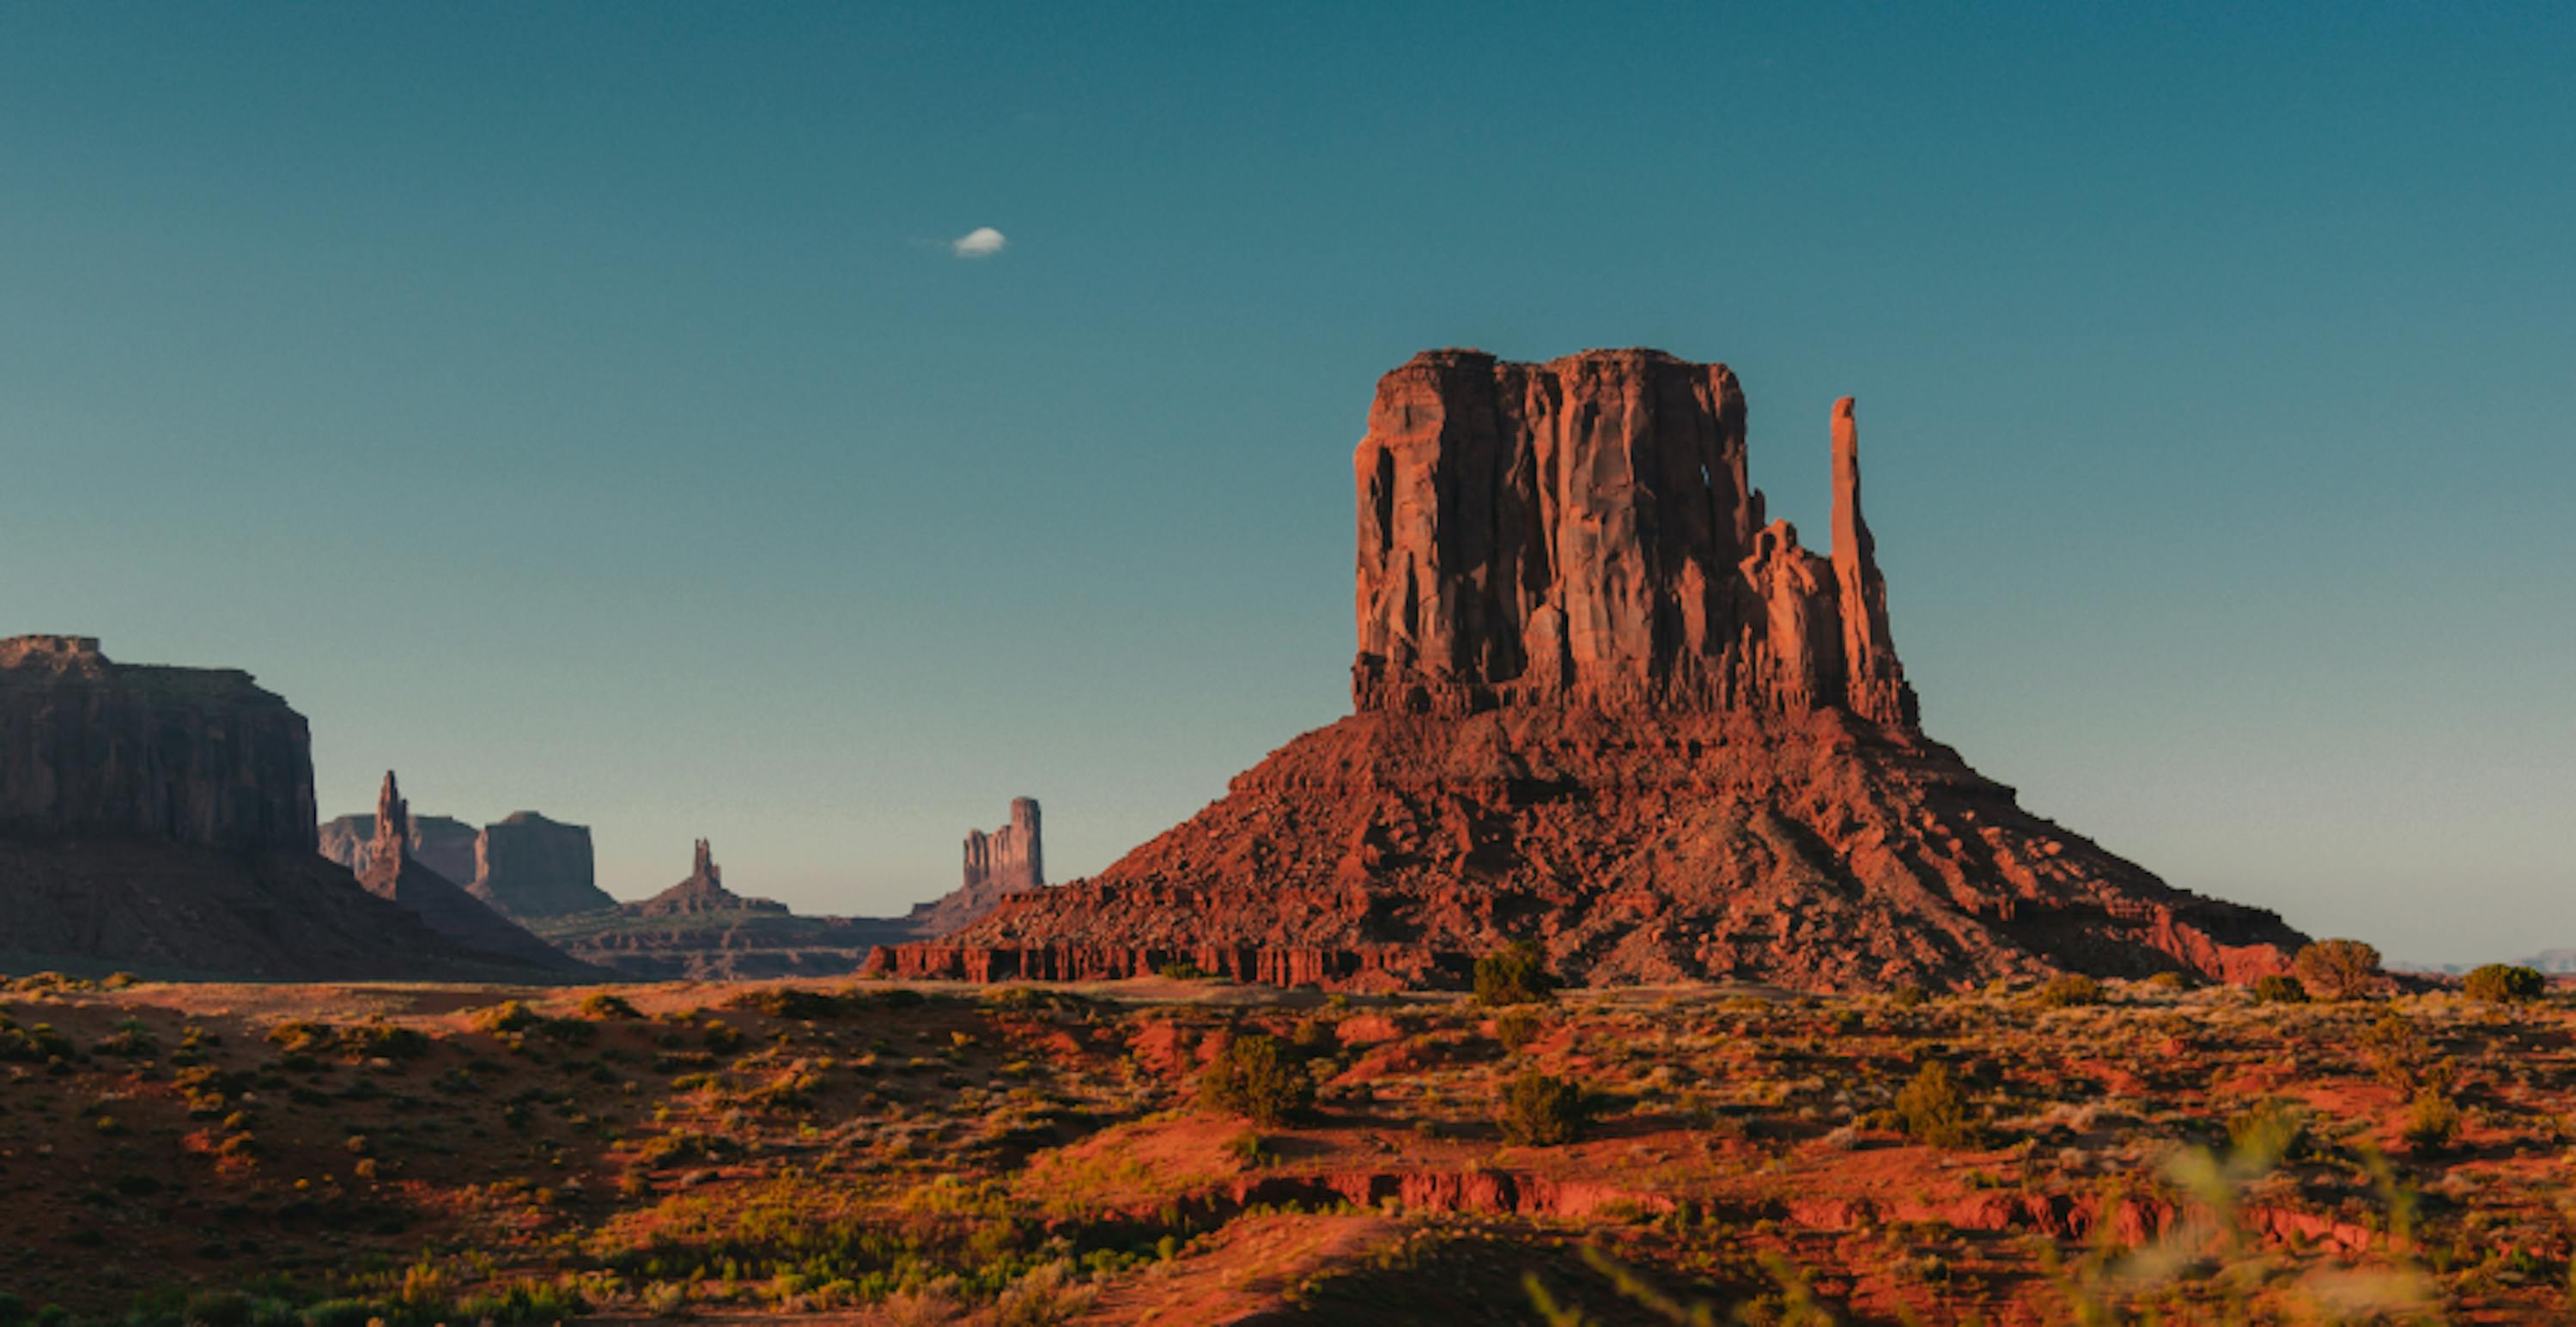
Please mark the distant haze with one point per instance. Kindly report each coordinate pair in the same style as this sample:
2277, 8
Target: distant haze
636, 412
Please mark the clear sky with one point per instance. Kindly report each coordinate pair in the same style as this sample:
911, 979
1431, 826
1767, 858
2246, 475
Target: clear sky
591, 407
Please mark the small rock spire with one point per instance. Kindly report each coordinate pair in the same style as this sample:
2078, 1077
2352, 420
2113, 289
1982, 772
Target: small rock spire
393, 817
1875, 686
704, 867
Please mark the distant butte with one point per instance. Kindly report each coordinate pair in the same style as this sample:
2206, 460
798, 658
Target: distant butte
1604, 702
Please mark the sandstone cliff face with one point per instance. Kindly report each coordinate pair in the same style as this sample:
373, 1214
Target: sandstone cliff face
1582, 532
395, 875
528, 866
1007, 861
1606, 704
442, 844
91, 748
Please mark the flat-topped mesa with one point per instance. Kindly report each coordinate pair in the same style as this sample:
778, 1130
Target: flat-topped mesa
529, 866
200, 756
1582, 532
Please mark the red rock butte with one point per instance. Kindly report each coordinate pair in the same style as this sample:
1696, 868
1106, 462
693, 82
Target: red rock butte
1603, 702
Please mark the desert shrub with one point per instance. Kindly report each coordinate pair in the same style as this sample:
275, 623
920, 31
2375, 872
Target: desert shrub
1518, 1027
601, 1005
2269, 1128
722, 1038
790, 1002
131, 1040
34, 1044
2168, 981
377, 1038
2338, 969
301, 1036
1515, 974
2432, 1120
1542, 1110
1909, 997
1255, 1077
117, 981
1931, 1108
1183, 972
2505, 983
2067, 990
507, 1016
2279, 988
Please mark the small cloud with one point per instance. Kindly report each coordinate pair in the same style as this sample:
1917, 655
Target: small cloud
981, 242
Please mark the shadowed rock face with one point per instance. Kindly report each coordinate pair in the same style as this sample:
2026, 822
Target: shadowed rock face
528, 866
161, 820
1605, 704
200, 756
438, 842
394, 874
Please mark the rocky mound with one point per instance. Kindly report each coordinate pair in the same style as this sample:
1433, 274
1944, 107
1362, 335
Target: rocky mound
1606, 704
702, 892
161, 820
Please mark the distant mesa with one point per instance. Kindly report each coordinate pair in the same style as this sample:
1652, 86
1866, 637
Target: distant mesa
1604, 702
394, 874
524, 866
702, 892
161, 820
1010, 860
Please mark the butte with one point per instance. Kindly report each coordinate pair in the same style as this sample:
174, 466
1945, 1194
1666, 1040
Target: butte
1603, 703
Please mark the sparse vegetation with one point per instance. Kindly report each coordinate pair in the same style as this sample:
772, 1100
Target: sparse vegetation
1542, 1110
2504, 983
2338, 969
1256, 1077
1515, 974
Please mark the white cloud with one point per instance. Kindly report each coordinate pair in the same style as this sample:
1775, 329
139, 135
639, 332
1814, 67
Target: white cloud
981, 242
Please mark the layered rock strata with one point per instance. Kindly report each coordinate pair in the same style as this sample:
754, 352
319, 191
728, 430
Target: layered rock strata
1603, 702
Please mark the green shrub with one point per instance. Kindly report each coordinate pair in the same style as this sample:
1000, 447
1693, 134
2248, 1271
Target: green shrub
1542, 1110
602, 1005
2432, 1121
2505, 983
2068, 990
1515, 974
1255, 1077
1931, 1108
2338, 969
1518, 1027
2279, 988
1183, 972
507, 1016
2168, 981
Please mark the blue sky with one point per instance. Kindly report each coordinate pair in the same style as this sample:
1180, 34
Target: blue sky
582, 407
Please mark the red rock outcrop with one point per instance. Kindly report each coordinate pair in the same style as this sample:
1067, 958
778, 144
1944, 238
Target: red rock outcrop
1582, 532
1604, 704
1007, 861
395, 875
161, 820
